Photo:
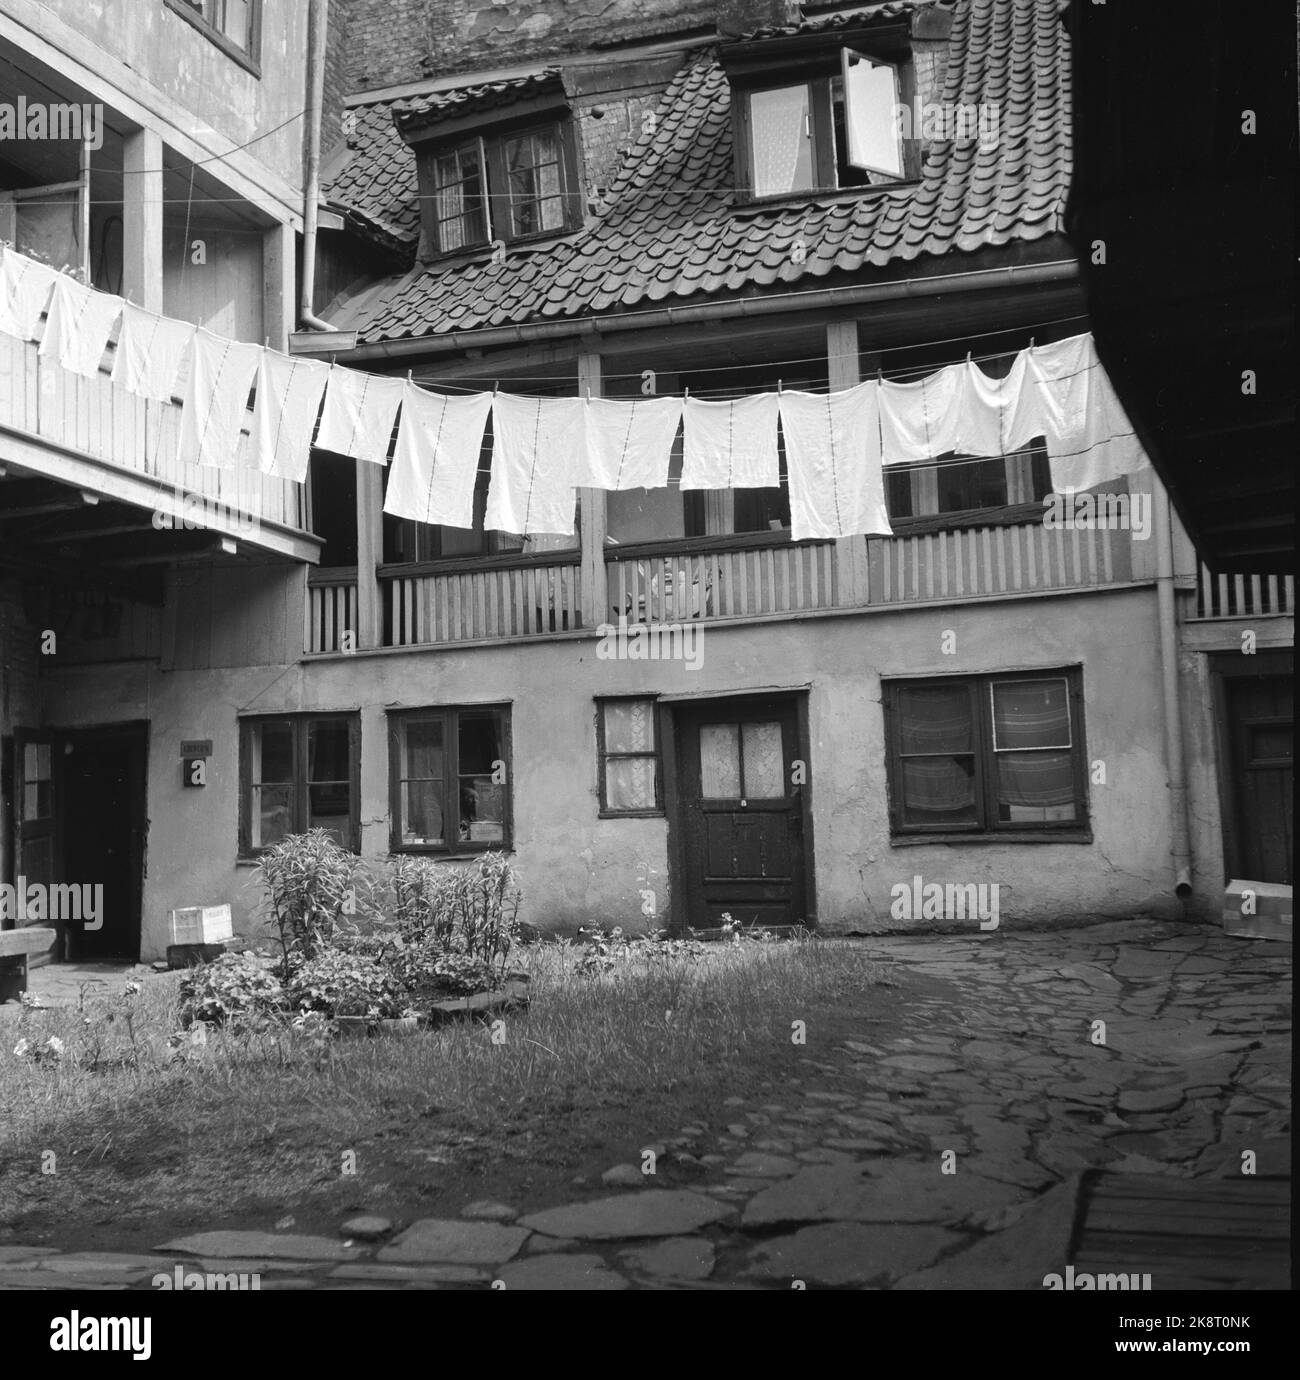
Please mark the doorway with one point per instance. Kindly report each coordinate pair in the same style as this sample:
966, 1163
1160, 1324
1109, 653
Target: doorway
1257, 738
739, 812
80, 832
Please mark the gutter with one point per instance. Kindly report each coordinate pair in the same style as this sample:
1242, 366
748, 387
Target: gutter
317, 30
852, 295
1180, 827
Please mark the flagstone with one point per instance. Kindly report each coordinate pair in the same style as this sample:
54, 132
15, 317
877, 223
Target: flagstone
273, 1245
453, 1242
758, 1165
840, 1254
677, 1257
654, 1212
892, 1191
438, 1274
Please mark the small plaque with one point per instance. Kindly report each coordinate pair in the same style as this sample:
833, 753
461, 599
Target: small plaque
196, 747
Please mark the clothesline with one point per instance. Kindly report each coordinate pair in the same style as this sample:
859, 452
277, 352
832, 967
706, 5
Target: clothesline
837, 444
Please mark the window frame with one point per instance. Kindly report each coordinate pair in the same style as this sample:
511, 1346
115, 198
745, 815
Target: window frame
987, 827
497, 207
996, 515
450, 717
604, 755
298, 725
249, 58
816, 67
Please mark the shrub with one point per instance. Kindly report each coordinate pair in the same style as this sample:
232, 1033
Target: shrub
236, 990
435, 973
471, 910
310, 881
338, 983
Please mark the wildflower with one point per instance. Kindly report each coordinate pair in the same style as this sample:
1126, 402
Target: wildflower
132, 989
55, 1046
21, 1048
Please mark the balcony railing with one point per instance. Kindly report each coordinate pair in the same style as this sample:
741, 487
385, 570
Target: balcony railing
648, 586
1244, 596
983, 562
470, 602
130, 444
331, 610
717, 578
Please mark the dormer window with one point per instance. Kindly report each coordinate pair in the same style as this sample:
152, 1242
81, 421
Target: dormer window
497, 164
814, 115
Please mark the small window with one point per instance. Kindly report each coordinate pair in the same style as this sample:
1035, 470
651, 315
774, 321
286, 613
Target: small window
629, 757
954, 491
514, 186
986, 754
838, 130
233, 25
449, 774
298, 772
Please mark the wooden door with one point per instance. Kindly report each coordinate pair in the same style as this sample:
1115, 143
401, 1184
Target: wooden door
740, 813
1263, 776
35, 826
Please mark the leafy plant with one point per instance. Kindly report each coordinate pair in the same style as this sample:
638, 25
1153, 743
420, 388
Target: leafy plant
239, 991
470, 910
310, 883
338, 983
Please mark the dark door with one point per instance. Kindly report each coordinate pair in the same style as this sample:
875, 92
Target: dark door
35, 830
740, 812
101, 823
1261, 729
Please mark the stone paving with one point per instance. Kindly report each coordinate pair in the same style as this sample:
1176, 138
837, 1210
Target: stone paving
943, 1152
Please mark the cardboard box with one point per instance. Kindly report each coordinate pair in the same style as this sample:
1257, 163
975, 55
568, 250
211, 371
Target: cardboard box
1257, 910
188, 955
201, 925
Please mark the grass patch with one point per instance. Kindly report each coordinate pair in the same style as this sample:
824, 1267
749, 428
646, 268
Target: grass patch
140, 1120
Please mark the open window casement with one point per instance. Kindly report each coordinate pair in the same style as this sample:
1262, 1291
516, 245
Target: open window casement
871, 104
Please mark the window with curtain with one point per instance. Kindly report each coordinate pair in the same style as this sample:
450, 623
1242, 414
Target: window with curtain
449, 779
986, 754
298, 772
629, 757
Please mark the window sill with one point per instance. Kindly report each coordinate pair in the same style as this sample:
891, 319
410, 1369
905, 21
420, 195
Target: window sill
761, 205
214, 36
442, 855
630, 814
1009, 836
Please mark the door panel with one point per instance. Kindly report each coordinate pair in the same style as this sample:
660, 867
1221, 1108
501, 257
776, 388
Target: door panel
36, 797
1263, 777
741, 819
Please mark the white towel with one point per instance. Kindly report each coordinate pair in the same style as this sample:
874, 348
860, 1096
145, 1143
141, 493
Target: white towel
919, 421
216, 399
730, 445
629, 442
1090, 439
832, 451
537, 445
78, 325
998, 416
24, 289
150, 349
439, 441
284, 413
359, 413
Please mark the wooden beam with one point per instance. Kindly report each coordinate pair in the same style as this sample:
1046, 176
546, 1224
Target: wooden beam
593, 519
142, 219
370, 550
844, 370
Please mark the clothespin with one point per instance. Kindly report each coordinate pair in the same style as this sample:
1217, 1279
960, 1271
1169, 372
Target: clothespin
266, 344
496, 387
1031, 342
780, 388
968, 355
408, 376
686, 393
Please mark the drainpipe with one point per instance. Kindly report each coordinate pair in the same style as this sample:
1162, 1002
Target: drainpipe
317, 29
1181, 848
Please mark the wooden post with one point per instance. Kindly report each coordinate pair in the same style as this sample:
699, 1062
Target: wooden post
594, 588
279, 252
370, 540
142, 219
843, 370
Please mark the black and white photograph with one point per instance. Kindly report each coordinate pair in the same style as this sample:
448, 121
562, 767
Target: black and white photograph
646, 645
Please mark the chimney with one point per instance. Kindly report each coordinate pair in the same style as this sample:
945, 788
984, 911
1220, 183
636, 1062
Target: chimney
735, 18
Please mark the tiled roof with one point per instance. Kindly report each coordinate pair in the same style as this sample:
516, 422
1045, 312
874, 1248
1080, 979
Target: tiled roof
671, 229
464, 100
376, 185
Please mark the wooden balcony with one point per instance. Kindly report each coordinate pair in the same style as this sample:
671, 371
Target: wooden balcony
1243, 596
93, 435
716, 578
